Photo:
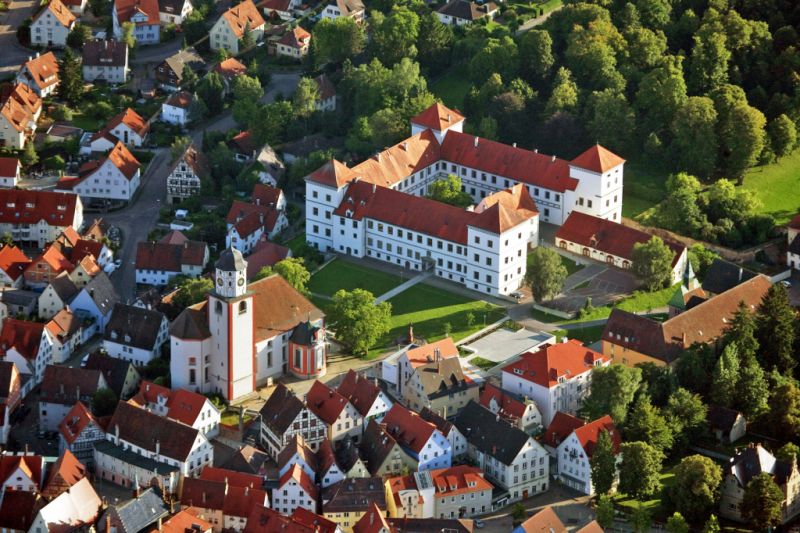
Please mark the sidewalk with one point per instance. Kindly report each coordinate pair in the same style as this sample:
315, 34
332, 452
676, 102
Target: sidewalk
422, 276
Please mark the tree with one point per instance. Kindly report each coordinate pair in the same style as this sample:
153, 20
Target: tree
99, 7
712, 525
742, 331
536, 55
80, 35
654, 14
192, 291
612, 391
742, 136
188, 77
753, 388
179, 146
640, 519
603, 464
29, 155
357, 320
677, 523
334, 40
128, 37
726, 377
269, 125
696, 489
647, 424
604, 511
651, 262
264, 272
70, 87
394, 36
661, 93
783, 417
680, 210
210, 90
293, 270
546, 273
788, 452
305, 97
708, 68
639, 470
564, 96
782, 135
695, 138
247, 40
701, 259
762, 502
496, 56
612, 121
686, 414
449, 191
776, 332
518, 512
247, 88
104, 401
434, 42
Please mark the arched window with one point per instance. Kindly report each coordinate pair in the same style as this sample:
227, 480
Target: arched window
218, 308
242, 307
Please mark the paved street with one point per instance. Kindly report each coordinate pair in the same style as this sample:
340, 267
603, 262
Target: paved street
13, 55
157, 53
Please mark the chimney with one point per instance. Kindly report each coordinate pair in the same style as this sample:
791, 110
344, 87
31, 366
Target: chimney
476, 141
437, 355
61, 389
371, 518
535, 150
553, 159
405, 146
116, 434
514, 144
158, 448
374, 187
77, 392
204, 496
683, 339
226, 486
449, 117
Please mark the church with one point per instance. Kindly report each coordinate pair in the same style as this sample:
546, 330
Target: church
244, 335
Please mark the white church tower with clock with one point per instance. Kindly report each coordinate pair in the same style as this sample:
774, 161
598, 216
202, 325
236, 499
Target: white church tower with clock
230, 320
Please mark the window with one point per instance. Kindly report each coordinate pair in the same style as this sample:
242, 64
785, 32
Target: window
298, 356
242, 308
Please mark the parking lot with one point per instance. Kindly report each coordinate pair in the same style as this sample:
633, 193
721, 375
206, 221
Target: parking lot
606, 286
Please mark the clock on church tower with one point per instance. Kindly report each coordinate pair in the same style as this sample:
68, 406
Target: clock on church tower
231, 273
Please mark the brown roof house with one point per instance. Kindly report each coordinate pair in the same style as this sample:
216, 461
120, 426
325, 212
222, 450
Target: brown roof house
52, 24
294, 43
460, 12
62, 388
186, 177
169, 73
40, 73
158, 262
232, 26
135, 334
105, 60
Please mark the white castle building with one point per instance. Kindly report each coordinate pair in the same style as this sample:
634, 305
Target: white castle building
375, 209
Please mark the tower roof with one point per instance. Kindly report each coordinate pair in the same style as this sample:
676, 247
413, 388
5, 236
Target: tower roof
597, 159
231, 260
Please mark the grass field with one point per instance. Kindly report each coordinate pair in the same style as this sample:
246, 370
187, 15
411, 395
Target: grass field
343, 275
571, 265
428, 309
778, 187
453, 86
483, 364
296, 244
637, 302
586, 335
86, 123
657, 510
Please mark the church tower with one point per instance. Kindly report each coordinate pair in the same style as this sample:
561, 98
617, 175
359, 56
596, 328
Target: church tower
230, 321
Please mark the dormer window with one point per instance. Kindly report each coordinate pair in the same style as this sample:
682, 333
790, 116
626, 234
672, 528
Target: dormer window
518, 371
29, 205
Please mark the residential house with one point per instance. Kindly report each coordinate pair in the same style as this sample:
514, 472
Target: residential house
327, 468
225, 503
135, 334
186, 520
295, 489
383, 454
511, 459
294, 43
105, 60
174, 11
631, 339
574, 452
128, 127
186, 177
418, 438
544, 520
557, 377
229, 69
145, 510
44, 270
460, 492
85, 271
243, 145
18, 508
78, 431
410, 496
233, 24
246, 459
20, 108
145, 16
63, 475
169, 73
21, 471
441, 386
265, 520
97, 250
16, 302
113, 178
51, 25
283, 416
78, 7
353, 9
610, 242
121, 376
158, 262
141, 445
74, 509
365, 395
727, 425
265, 214
279, 9
327, 91
793, 239
747, 464
62, 388
175, 109
340, 417
346, 501
296, 452
346, 457
40, 73
13, 263
181, 405
457, 441
518, 411
96, 301
461, 12
10, 396
426, 525
265, 254
56, 295
65, 330
27, 345
414, 357
10, 169
38, 217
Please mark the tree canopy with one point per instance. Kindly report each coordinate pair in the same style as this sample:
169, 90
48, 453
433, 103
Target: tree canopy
357, 320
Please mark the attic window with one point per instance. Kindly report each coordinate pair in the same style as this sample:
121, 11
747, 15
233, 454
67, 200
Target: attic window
10, 204
29, 205
114, 335
127, 338
518, 371
62, 207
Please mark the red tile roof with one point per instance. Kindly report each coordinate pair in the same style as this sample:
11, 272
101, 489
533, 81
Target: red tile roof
86, 247
64, 325
461, 479
186, 520
560, 428
64, 474
43, 70
332, 173
265, 254
298, 475
795, 222
265, 520
56, 260
373, 521
438, 117
32, 465
297, 37
234, 478
241, 15
21, 335
230, 68
127, 8
306, 518
75, 422
9, 167
59, 11
132, 119
182, 99
223, 495
244, 142
169, 257
18, 206
248, 218
608, 236
147, 430
13, 261
422, 355
325, 402
19, 509
545, 521
510, 407
124, 160
326, 88
565, 359
185, 406
280, 307
359, 391
589, 433
597, 159
408, 428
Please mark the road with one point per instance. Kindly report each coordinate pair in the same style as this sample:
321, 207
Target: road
13, 54
156, 53
532, 23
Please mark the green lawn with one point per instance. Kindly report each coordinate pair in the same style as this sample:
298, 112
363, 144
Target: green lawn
644, 187
453, 86
344, 275
428, 309
571, 265
296, 244
637, 302
657, 510
86, 123
777, 186
483, 364
231, 418
587, 335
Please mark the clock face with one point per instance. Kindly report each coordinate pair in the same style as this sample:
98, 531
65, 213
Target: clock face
240, 282
219, 282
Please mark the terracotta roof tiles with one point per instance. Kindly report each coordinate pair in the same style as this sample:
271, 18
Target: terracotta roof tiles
561, 360
127, 8
43, 70
597, 159
438, 117
408, 428
61, 13
242, 15
13, 261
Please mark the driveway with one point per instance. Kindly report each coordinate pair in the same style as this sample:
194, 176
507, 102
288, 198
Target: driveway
604, 287
13, 54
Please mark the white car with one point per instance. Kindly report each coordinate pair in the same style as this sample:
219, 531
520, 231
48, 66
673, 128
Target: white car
786, 283
110, 268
